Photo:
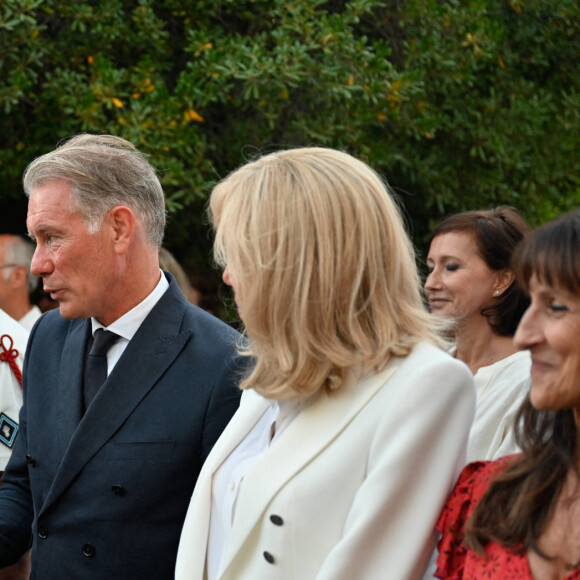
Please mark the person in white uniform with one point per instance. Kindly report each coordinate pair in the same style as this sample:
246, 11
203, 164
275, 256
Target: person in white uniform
13, 340
17, 283
470, 282
353, 422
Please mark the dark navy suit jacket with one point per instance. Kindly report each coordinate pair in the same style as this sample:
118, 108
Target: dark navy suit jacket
105, 494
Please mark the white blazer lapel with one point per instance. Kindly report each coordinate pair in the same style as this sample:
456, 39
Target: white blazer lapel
193, 544
309, 434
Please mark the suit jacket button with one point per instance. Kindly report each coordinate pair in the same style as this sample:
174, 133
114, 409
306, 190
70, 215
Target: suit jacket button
30, 460
269, 558
118, 490
88, 550
42, 531
276, 520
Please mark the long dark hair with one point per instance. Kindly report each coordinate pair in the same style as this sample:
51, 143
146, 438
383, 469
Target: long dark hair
497, 232
515, 509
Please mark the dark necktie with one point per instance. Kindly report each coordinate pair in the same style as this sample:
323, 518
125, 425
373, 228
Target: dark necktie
96, 369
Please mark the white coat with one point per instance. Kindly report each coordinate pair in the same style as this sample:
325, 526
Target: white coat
352, 488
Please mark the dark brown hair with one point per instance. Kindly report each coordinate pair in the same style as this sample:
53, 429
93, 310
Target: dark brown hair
496, 232
518, 503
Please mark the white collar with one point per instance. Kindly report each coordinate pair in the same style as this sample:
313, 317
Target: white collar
129, 323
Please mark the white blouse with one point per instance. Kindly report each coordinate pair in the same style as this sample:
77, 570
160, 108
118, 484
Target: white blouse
500, 390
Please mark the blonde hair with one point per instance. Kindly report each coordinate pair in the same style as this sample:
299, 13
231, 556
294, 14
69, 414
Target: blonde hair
323, 266
169, 263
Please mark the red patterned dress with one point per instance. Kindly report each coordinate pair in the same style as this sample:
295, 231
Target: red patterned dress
456, 561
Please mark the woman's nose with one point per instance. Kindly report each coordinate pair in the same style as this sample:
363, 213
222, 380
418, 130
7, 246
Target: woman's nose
529, 330
433, 280
226, 276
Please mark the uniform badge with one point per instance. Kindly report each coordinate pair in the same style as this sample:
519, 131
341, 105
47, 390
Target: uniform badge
8, 430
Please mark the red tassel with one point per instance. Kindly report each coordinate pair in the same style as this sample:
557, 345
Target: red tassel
9, 355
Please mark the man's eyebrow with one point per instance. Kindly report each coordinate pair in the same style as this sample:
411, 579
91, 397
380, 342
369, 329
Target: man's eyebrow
40, 229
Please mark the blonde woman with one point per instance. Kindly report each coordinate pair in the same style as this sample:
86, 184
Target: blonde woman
352, 426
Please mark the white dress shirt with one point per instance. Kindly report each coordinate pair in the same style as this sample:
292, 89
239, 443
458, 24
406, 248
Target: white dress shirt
129, 323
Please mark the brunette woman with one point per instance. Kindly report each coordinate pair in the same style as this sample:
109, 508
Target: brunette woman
519, 517
471, 284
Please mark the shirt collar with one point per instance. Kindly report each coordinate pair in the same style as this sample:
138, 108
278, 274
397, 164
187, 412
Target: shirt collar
129, 323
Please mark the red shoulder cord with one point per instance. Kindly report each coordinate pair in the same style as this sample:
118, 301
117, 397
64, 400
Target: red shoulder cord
9, 355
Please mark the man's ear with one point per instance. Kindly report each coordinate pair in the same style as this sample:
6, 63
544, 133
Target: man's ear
123, 225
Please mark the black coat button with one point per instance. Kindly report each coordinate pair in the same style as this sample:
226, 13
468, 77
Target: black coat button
88, 550
276, 520
118, 490
42, 531
269, 558
30, 460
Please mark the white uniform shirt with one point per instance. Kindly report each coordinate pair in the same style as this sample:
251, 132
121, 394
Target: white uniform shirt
13, 336
30, 318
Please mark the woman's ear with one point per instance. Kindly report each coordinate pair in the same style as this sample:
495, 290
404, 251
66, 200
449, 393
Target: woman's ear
503, 282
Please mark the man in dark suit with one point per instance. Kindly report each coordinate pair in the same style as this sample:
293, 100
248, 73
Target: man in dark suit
100, 486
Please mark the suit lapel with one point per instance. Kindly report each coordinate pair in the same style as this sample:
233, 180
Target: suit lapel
68, 395
308, 435
152, 350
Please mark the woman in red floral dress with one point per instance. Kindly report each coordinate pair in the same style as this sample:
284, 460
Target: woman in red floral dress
519, 517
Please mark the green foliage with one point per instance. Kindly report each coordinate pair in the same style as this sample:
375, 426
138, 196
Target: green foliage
501, 106
460, 104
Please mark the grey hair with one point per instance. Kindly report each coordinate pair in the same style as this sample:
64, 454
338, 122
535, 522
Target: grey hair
105, 171
19, 251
